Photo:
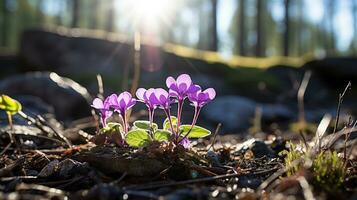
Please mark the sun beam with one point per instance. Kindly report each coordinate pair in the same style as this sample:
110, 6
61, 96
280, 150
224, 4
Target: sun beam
149, 13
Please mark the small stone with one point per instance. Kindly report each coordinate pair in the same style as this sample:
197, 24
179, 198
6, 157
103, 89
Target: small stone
49, 169
249, 182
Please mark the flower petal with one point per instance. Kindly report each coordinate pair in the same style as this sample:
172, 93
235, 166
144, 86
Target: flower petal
211, 93
159, 92
148, 93
202, 96
169, 81
173, 93
184, 78
97, 103
122, 104
153, 99
131, 103
193, 89
183, 88
140, 93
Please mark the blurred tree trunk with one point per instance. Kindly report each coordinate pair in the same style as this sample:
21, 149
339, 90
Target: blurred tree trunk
59, 17
242, 37
203, 28
109, 26
300, 28
75, 13
4, 24
331, 16
354, 42
214, 36
93, 22
39, 13
287, 28
260, 8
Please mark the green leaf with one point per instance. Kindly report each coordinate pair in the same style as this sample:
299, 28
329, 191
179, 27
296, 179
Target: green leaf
196, 132
166, 124
9, 104
138, 138
142, 124
162, 135
112, 127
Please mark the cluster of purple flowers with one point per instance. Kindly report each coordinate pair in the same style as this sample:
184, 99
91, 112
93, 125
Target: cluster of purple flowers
178, 90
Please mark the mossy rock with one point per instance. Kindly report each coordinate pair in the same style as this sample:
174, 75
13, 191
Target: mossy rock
112, 160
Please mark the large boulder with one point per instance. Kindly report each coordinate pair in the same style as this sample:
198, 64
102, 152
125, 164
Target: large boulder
236, 113
69, 99
335, 71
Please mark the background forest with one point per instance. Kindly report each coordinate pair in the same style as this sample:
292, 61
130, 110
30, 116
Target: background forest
232, 27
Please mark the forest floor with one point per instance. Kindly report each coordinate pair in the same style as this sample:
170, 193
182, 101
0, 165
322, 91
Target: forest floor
40, 166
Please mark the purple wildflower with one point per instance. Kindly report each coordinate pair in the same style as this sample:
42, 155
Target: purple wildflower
104, 109
201, 98
162, 98
121, 104
150, 99
181, 87
185, 142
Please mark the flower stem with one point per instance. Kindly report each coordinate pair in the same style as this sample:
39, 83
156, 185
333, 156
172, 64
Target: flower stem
168, 115
9, 118
194, 120
125, 123
179, 112
103, 119
151, 119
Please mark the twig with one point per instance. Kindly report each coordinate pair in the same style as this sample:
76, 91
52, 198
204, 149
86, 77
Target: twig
39, 122
347, 136
6, 179
115, 182
340, 100
301, 94
58, 134
6, 148
52, 191
321, 130
100, 86
306, 188
303, 138
215, 136
276, 175
43, 137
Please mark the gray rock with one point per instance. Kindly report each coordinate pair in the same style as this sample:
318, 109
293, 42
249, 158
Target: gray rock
69, 99
65, 168
69, 167
272, 112
49, 170
335, 69
236, 113
249, 182
258, 147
